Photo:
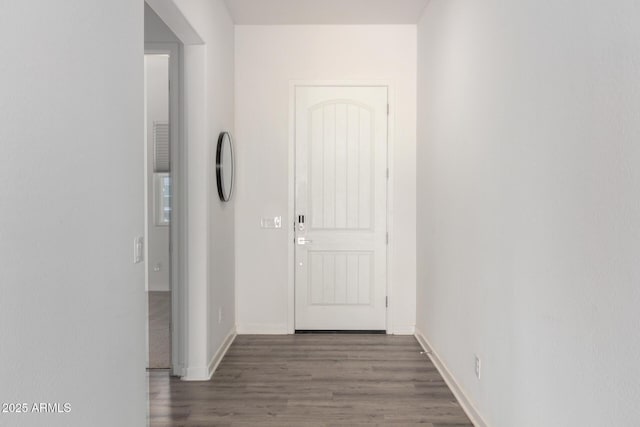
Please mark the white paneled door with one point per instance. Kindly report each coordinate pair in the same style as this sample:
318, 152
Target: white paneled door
341, 205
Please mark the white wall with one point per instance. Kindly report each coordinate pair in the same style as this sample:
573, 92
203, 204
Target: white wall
155, 30
209, 107
157, 109
268, 58
528, 214
71, 126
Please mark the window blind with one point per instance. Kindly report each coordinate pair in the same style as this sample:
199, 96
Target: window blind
160, 147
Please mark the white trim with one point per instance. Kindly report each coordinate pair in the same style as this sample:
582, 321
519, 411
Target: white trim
146, 227
404, 330
448, 377
222, 351
178, 245
204, 373
391, 131
196, 373
291, 254
391, 99
146, 201
263, 329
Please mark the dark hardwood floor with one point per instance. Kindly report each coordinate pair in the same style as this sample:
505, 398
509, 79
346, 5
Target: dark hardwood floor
311, 380
159, 329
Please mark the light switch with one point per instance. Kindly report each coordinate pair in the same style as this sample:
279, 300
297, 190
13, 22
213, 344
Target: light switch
138, 250
271, 222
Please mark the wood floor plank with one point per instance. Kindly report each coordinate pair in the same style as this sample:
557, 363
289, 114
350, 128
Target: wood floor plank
311, 380
159, 303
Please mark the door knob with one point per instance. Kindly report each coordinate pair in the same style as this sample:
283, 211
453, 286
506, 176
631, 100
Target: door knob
303, 241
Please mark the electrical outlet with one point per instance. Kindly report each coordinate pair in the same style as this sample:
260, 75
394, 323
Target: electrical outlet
219, 315
477, 365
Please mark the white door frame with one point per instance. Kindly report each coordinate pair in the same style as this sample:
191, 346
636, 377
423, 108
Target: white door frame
292, 195
177, 245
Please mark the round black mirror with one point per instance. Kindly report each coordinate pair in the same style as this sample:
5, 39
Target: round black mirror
224, 166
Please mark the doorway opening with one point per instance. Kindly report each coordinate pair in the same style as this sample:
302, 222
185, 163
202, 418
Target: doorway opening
158, 210
164, 194
166, 190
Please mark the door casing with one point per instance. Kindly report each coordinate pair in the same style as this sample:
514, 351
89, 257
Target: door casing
293, 85
177, 246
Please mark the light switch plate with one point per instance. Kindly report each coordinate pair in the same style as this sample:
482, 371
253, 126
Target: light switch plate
271, 222
138, 250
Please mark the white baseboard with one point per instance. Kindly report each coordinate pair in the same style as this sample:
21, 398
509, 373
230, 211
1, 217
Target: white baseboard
204, 373
178, 370
404, 330
466, 404
280, 329
262, 329
217, 358
196, 373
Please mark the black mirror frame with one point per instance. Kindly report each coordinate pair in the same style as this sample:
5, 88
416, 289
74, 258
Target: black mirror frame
219, 167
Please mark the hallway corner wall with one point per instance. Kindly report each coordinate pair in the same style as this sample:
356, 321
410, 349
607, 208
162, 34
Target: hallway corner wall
209, 109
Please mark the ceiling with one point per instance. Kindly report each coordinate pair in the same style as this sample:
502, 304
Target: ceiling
325, 12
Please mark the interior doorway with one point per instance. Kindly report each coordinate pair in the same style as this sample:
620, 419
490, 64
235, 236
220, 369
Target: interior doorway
161, 39
158, 209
